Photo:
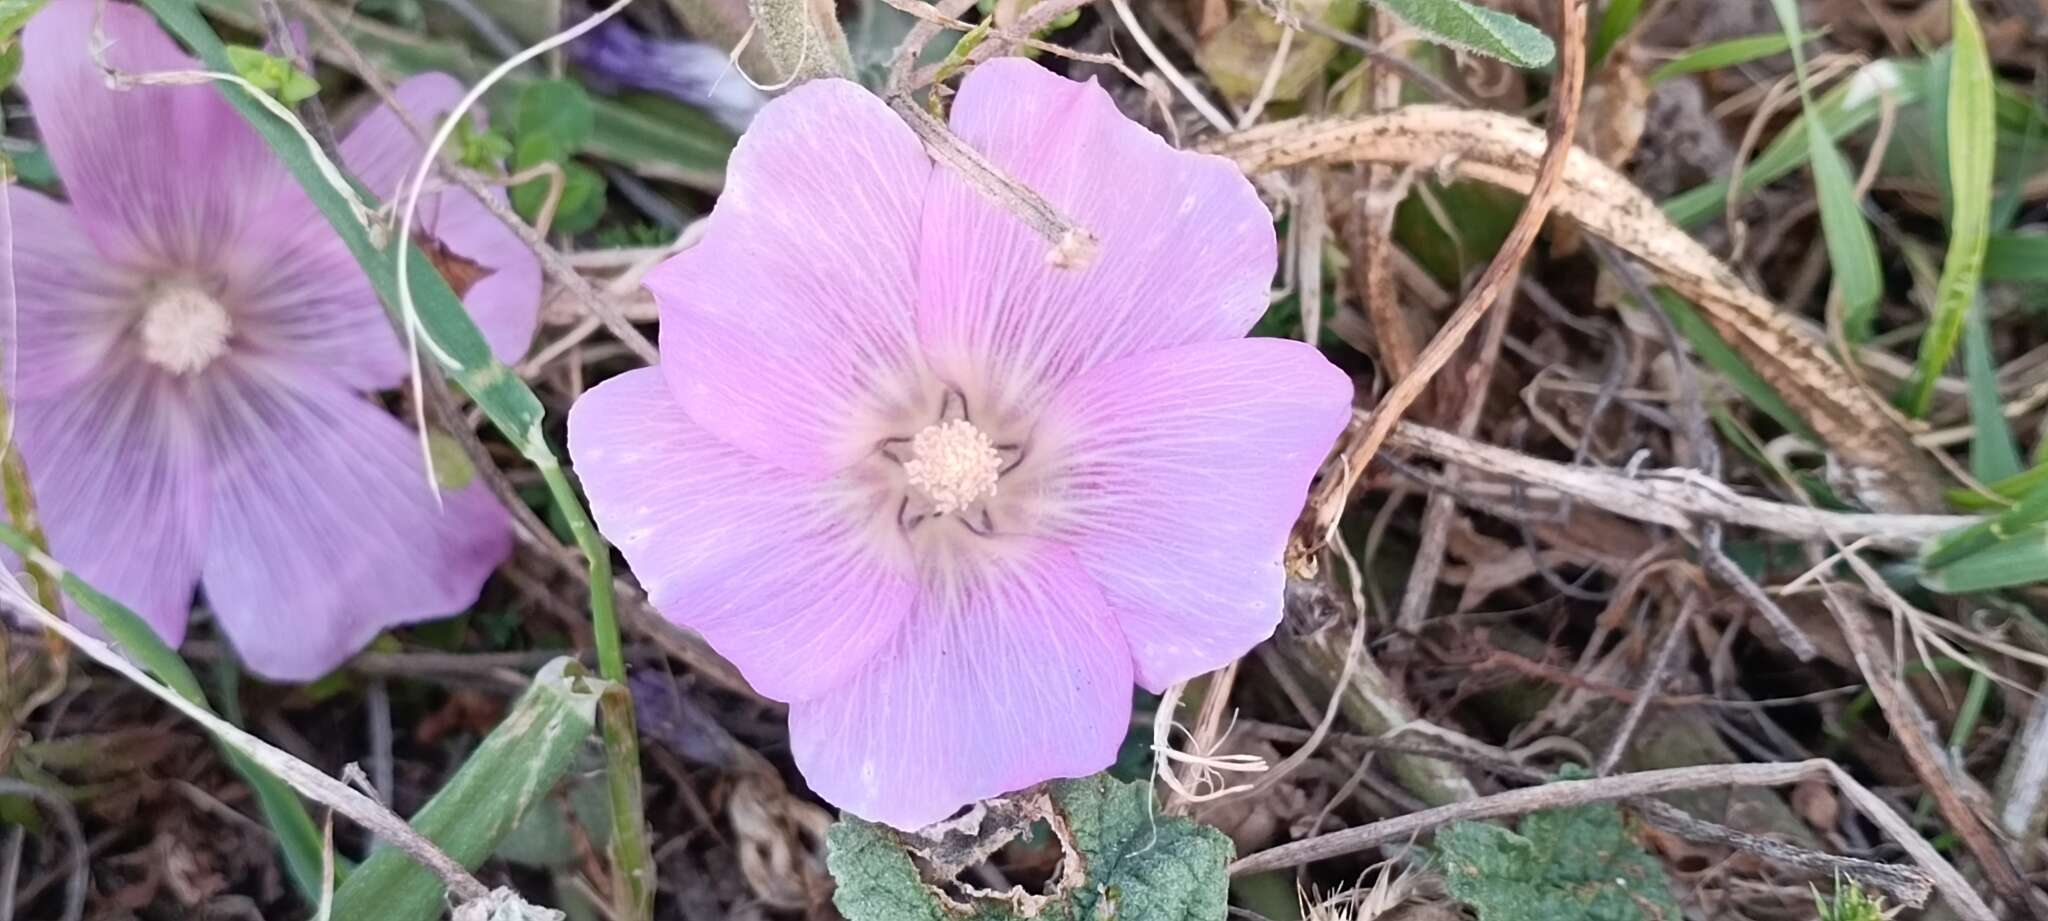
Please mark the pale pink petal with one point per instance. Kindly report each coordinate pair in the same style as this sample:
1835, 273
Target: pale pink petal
165, 173
325, 530
1175, 477
301, 297
1016, 676
1186, 249
118, 474
785, 575
70, 306
789, 331
383, 152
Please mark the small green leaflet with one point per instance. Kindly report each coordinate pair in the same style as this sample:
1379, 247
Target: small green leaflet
1475, 28
273, 74
1136, 866
1565, 865
15, 13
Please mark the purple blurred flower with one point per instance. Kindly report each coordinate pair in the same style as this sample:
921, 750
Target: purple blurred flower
690, 72
193, 348
945, 499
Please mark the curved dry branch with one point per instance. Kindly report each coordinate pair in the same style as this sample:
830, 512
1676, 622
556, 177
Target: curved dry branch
1885, 469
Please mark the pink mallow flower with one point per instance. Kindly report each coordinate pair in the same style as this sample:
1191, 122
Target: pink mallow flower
193, 352
945, 499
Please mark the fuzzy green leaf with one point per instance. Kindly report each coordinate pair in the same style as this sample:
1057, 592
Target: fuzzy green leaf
1137, 866
559, 109
1475, 28
515, 769
1565, 865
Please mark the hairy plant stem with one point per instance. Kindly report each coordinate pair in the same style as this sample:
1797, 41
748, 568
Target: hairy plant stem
632, 860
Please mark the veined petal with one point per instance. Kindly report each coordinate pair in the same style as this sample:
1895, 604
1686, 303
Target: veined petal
302, 298
70, 309
383, 152
325, 529
163, 174
784, 575
1186, 248
118, 473
1015, 677
1176, 476
789, 331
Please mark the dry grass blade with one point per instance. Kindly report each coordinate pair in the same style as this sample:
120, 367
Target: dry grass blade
1886, 470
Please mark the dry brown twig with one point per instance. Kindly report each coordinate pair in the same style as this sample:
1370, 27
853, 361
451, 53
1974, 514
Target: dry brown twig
1328, 503
1885, 468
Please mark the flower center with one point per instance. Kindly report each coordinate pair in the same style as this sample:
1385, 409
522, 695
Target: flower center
183, 328
953, 464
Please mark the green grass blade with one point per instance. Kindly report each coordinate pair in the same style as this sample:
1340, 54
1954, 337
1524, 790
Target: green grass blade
1721, 357
1994, 455
2016, 256
1841, 111
1729, 53
1972, 148
517, 765
1475, 28
1852, 252
2020, 559
1615, 21
297, 837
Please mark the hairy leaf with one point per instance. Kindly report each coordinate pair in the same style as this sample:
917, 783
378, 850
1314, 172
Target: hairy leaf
1565, 865
1475, 28
1133, 865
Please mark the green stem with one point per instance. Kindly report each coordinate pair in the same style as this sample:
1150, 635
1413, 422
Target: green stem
632, 859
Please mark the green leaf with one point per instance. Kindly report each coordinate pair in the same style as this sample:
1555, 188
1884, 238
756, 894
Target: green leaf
15, 13
272, 74
655, 137
515, 768
557, 108
1972, 149
1475, 28
582, 201
2016, 255
1137, 866
10, 67
1565, 865
2021, 559
1994, 455
1729, 53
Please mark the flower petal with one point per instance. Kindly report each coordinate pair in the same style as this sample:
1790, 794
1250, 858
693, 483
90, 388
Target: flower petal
303, 299
785, 577
69, 308
168, 174
789, 332
1176, 476
324, 528
1186, 249
119, 478
383, 152
1016, 677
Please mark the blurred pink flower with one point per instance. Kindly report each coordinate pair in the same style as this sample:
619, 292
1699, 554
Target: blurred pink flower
947, 500
193, 349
